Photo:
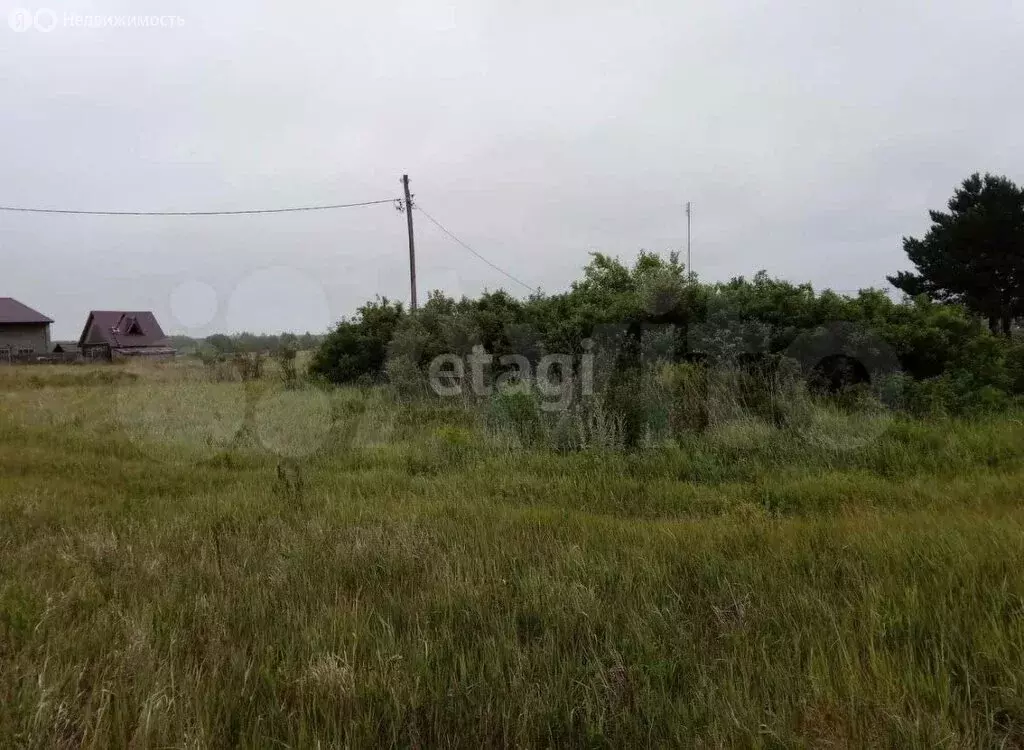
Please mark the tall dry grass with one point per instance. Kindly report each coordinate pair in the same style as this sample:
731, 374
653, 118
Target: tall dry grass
186, 563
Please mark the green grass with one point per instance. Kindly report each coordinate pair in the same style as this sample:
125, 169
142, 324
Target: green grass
416, 579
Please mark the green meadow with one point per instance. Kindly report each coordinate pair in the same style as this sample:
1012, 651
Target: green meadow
191, 561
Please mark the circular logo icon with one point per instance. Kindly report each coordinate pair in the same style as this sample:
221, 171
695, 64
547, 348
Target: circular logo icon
20, 19
845, 359
45, 20
194, 305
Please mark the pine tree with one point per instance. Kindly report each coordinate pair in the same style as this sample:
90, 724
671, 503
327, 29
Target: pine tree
973, 255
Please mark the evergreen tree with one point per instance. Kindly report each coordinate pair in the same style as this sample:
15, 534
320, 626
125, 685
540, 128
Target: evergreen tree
974, 254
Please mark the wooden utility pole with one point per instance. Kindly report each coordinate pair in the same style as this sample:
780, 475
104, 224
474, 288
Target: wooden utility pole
412, 242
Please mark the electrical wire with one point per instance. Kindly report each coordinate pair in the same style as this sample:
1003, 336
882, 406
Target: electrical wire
292, 209
194, 213
497, 268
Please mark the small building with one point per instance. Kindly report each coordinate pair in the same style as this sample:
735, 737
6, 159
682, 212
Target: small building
119, 334
23, 331
65, 351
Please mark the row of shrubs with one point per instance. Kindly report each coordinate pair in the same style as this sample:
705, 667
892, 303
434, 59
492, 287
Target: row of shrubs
919, 356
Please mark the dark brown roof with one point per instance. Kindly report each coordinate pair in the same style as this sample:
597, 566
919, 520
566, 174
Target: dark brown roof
12, 311
122, 329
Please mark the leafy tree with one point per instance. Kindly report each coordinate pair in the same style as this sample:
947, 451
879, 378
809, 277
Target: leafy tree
221, 343
974, 254
286, 356
357, 349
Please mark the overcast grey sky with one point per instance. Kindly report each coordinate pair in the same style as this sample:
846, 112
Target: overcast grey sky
810, 137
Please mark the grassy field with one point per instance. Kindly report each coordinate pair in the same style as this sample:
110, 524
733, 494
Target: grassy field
187, 562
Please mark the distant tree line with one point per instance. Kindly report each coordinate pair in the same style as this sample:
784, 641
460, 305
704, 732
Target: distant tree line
247, 343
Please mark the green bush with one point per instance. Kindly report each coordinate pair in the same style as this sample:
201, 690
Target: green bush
518, 413
954, 393
686, 387
1015, 367
356, 349
634, 317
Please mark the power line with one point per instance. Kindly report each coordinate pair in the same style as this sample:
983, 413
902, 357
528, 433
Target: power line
194, 213
291, 209
500, 270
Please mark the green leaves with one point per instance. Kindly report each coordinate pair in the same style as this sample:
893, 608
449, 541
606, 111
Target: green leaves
357, 349
974, 254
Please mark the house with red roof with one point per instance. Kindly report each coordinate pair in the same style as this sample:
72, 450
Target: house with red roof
119, 334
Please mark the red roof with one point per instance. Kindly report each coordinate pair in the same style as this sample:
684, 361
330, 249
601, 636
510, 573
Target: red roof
12, 311
122, 329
